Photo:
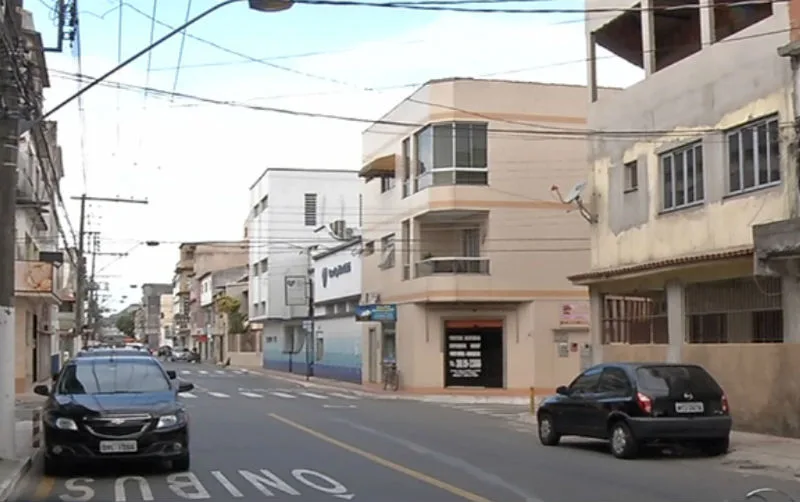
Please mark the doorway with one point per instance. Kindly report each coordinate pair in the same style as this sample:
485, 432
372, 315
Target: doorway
473, 355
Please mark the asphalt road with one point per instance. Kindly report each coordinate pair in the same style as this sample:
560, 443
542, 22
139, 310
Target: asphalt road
255, 438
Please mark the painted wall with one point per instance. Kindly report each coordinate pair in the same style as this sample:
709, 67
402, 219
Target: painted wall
341, 342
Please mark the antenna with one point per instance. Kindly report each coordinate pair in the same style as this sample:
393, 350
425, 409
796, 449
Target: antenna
574, 197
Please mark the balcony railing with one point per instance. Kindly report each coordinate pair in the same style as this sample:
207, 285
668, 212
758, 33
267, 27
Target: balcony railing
451, 265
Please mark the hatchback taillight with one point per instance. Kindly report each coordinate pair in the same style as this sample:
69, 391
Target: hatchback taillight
644, 402
725, 407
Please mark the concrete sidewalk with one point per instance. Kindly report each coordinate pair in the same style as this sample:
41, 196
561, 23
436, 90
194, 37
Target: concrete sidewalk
13, 470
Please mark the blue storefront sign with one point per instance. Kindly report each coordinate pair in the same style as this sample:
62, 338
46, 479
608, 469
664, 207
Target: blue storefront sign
376, 313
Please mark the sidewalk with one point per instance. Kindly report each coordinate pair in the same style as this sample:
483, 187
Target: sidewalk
13, 470
769, 455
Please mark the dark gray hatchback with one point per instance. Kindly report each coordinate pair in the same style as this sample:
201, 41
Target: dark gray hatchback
633, 404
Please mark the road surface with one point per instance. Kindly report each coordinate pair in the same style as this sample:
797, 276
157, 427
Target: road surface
255, 438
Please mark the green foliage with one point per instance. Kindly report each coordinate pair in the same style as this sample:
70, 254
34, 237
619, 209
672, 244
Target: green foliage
230, 307
126, 324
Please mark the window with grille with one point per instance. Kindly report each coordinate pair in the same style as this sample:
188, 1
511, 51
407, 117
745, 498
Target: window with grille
682, 176
310, 209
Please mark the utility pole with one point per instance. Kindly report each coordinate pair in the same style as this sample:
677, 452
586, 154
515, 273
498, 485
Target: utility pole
311, 325
80, 287
14, 107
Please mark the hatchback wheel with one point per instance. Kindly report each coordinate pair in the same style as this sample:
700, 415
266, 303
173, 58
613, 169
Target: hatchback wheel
716, 447
547, 430
622, 442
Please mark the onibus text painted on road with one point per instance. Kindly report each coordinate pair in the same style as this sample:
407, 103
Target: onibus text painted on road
189, 486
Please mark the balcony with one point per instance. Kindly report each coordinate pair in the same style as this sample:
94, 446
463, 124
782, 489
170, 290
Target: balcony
36, 280
451, 265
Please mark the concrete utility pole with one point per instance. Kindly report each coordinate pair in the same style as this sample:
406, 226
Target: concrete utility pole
14, 107
310, 336
80, 287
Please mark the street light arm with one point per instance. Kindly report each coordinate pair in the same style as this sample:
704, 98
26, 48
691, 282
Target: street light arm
30, 125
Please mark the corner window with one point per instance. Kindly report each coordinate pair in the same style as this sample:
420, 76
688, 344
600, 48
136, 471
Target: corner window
387, 183
453, 153
406, 167
631, 174
682, 176
754, 157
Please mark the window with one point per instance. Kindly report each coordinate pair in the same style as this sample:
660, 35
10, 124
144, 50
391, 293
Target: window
682, 176
587, 382
112, 378
631, 176
406, 167
387, 183
614, 381
453, 153
369, 248
754, 157
387, 252
310, 209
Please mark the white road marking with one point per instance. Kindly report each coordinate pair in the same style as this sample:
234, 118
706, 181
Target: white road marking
203, 372
251, 394
220, 372
312, 395
185, 372
343, 396
284, 395
188, 394
339, 406
218, 394
226, 483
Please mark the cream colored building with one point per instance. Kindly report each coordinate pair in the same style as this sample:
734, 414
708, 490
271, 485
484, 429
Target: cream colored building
166, 327
463, 233
672, 273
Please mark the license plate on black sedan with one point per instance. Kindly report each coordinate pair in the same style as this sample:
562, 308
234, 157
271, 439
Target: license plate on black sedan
118, 447
689, 407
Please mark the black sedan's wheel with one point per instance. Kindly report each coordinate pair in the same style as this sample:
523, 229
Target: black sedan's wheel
547, 430
623, 444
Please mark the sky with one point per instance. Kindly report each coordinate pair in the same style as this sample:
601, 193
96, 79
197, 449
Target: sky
194, 161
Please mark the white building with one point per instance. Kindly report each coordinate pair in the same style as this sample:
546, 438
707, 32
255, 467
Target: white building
290, 210
337, 292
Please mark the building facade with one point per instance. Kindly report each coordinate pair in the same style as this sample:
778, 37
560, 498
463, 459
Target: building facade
464, 236
294, 212
676, 202
167, 318
153, 315
212, 288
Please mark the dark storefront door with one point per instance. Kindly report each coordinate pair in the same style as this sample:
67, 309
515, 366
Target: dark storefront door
473, 354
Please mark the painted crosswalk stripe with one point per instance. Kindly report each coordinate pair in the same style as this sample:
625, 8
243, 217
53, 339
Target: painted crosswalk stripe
251, 394
203, 372
188, 394
284, 395
218, 394
220, 372
312, 395
185, 372
343, 396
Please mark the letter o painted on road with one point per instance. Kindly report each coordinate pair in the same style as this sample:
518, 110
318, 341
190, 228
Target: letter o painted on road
330, 485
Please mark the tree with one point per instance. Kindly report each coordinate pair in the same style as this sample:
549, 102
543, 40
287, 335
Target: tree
126, 324
231, 308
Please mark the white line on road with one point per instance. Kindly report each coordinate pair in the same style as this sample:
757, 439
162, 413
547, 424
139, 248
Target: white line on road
220, 372
203, 372
218, 394
343, 396
284, 395
185, 372
188, 394
339, 406
251, 394
312, 395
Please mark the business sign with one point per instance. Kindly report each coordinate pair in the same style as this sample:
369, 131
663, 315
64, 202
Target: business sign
33, 277
376, 313
334, 272
464, 359
574, 314
296, 290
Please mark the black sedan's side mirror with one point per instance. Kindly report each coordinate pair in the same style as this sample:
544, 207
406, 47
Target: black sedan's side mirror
41, 390
171, 374
185, 387
562, 390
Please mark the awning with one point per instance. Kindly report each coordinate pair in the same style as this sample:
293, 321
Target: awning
381, 166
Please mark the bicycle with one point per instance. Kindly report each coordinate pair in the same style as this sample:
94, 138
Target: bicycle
391, 379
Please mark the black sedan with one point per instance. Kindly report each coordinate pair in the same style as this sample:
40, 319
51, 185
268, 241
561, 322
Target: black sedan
116, 408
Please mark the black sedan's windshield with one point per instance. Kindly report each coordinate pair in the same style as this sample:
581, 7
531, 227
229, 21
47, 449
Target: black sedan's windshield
113, 377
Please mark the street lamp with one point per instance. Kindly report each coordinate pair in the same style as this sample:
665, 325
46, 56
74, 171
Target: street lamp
257, 5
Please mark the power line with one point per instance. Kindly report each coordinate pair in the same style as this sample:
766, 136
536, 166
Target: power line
183, 46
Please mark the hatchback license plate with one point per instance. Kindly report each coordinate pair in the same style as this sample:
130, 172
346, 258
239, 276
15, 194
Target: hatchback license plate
689, 408
118, 447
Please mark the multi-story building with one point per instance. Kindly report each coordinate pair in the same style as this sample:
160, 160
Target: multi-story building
212, 285
197, 259
166, 321
38, 282
293, 213
465, 241
685, 165
151, 306
240, 341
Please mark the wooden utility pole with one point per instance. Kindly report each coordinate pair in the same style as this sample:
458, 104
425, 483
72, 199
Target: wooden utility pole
80, 287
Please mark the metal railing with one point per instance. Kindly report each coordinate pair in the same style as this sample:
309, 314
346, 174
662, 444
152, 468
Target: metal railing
451, 265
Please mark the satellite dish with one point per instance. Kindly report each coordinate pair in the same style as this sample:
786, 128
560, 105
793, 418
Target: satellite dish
575, 193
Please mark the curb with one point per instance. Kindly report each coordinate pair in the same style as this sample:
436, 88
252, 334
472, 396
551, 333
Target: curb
8, 486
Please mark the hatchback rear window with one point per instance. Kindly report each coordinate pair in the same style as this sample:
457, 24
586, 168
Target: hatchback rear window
675, 380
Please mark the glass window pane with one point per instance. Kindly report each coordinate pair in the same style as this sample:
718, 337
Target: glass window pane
113, 377
699, 182
734, 181
472, 178
678, 170
774, 151
748, 158
690, 183
442, 145
463, 145
425, 150
666, 173
762, 156
480, 140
